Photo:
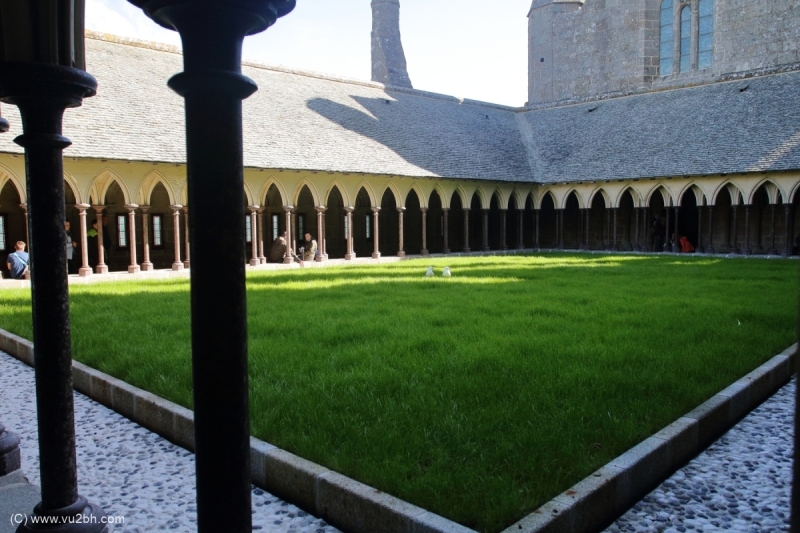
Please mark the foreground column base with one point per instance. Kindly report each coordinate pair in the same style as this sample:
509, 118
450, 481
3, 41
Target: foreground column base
376, 255
80, 517
84, 271
101, 269
177, 266
134, 269
147, 267
350, 257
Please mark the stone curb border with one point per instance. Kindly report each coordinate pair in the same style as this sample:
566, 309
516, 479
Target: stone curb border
594, 503
342, 502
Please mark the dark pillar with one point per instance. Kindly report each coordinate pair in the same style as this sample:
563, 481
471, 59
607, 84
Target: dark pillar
520, 222
212, 33
772, 250
614, 246
503, 244
424, 250
560, 226
587, 215
536, 228
636, 212
42, 92
485, 232
666, 231
710, 247
466, 230
746, 250
676, 245
734, 233
445, 231
787, 247
699, 248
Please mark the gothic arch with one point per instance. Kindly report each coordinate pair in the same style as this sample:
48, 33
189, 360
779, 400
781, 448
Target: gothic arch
364, 184
271, 180
444, 198
485, 202
515, 194
502, 199
342, 191
102, 181
581, 201
305, 182
698, 193
659, 189
773, 191
248, 193
423, 198
391, 187
149, 183
6, 175
72, 184
637, 199
540, 199
462, 194
730, 188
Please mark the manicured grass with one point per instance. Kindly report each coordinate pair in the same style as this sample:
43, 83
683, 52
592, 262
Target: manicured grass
478, 397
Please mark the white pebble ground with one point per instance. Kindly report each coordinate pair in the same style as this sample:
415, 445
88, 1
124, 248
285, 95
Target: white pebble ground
741, 483
127, 470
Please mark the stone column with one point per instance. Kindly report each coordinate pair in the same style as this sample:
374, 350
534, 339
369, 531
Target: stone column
101, 267
466, 231
445, 231
536, 228
614, 246
401, 252
254, 260
666, 230
587, 216
772, 250
676, 247
350, 255
287, 257
146, 264
520, 223
84, 270
560, 228
424, 250
24, 208
734, 232
187, 262
485, 246
503, 244
787, 247
710, 247
376, 254
321, 241
133, 268
636, 212
176, 227
746, 250
699, 247
261, 258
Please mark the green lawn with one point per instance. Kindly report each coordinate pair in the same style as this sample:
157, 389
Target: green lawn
478, 397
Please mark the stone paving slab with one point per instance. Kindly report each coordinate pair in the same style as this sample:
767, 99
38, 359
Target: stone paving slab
126, 469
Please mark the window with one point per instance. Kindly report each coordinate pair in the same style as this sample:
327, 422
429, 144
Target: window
369, 227
248, 229
158, 231
275, 228
122, 231
665, 53
346, 228
686, 39
705, 44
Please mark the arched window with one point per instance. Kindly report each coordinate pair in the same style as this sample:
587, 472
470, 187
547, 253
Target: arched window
666, 41
706, 34
686, 39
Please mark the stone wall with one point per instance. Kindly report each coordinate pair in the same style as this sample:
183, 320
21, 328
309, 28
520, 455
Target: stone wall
585, 49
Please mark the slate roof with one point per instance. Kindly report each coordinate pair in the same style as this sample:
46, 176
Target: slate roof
306, 121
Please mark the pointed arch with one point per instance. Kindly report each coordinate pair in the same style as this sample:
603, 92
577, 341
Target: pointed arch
305, 182
502, 198
272, 180
515, 194
149, 183
606, 197
462, 194
342, 192
443, 198
578, 196
659, 189
540, 199
364, 184
773, 191
102, 181
7, 175
71, 183
729, 187
482, 197
694, 188
391, 187
422, 197
637, 199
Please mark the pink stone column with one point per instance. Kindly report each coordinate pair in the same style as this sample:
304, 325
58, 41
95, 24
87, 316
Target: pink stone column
254, 261
84, 270
520, 220
24, 208
188, 261
261, 258
321, 241
176, 226
445, 232
146, 264
287, 257
424, 250
401, 252
350, 255
101, 267
133, 268
376, 254
503, 243
466, 230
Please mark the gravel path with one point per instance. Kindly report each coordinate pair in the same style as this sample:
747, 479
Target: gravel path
128, 470
742, 482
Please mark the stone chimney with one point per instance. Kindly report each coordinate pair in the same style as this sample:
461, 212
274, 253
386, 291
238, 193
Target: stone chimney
388, 59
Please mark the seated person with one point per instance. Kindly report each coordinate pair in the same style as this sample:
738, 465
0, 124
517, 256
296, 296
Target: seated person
686, 246
309, 247
17, 261
278, 249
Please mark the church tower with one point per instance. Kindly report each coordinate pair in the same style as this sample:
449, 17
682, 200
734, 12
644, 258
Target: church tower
542, 58
388, 59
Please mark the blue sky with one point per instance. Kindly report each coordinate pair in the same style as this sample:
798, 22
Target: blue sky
457, 47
